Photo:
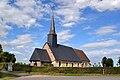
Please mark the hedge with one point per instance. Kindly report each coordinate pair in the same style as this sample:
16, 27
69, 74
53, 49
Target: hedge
66, 70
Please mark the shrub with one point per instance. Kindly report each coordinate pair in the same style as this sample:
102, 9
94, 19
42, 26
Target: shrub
66, 70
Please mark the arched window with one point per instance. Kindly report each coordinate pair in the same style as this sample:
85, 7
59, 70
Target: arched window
78, 64
66, 64
59, 63
72, 64
35, 64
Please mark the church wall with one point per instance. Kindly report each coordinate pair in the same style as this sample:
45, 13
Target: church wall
55, 63
63, 64
49, 52
31, 64
85, 64
80, 64
75, 64
37, 63
66, 64
69, 64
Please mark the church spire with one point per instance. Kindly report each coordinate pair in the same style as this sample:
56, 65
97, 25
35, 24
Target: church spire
52, 36
52, 28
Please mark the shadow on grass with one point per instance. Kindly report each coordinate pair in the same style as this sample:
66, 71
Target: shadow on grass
6, 76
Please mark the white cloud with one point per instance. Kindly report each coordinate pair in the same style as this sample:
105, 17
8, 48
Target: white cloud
68, 24
117, 34
97, 55
25, 13
64, 35
82, 3
21, 46
103, 5
21, 40
25, 59
69, 14
68, 10
105, 30
86, 28
22, 13
3, 30
71, 10
100, 45
104, 52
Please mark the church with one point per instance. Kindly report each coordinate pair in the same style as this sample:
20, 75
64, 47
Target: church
57, 55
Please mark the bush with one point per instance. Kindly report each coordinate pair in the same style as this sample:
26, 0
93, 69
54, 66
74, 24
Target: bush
66, 70
20, 67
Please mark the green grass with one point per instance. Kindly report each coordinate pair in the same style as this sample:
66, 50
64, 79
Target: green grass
68, 74
5, 76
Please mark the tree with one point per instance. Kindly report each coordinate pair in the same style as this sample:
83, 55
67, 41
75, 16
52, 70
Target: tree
1, 50
5, 57
109, 62
13, 59
119, 61
104, 59
8, 57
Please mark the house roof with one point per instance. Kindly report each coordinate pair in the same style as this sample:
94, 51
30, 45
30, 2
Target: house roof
64, 53
81, 55
40, 55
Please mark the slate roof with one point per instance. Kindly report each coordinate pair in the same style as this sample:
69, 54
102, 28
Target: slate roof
40, 55
81, 55
64, 53
52, 28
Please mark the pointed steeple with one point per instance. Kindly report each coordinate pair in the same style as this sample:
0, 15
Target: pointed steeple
52, 36
52, 28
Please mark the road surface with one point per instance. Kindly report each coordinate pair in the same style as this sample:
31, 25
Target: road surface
43, 77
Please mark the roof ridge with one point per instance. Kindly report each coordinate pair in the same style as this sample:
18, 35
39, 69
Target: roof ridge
65, 46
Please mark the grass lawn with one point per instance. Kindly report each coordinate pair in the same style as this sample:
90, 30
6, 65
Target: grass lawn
68, 74
5, 76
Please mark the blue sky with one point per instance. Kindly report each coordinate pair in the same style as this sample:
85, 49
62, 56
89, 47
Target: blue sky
90, 25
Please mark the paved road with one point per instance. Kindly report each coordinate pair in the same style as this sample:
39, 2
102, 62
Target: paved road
69, 78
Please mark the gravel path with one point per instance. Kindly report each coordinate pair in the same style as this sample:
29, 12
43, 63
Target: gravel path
45, 77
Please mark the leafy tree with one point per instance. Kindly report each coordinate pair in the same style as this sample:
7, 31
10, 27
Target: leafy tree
1, 50
8, 57
109, 62
119, 61
104, 59
13, 59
